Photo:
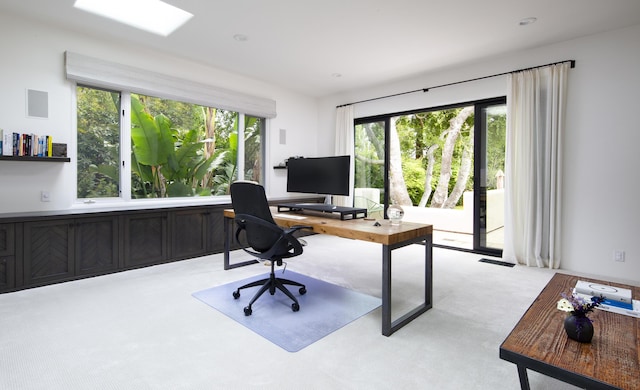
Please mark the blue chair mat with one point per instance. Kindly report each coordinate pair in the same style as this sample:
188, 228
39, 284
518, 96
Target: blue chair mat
324, 309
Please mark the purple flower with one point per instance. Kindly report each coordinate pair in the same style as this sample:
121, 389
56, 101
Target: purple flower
580, 306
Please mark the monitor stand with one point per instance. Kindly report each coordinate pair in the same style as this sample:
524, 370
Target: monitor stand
323, 208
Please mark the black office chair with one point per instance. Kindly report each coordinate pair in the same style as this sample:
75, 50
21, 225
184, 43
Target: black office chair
268, 240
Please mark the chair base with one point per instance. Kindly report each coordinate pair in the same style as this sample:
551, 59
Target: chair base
271, 284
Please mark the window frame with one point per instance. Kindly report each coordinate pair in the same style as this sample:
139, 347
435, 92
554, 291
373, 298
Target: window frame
125, 170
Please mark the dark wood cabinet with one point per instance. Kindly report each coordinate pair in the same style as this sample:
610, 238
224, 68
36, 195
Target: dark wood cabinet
50, 247
215, 231
7, 257
96, 245
189, 232
145, 239
48, 251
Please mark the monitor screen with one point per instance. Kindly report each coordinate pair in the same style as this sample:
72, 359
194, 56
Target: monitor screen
319, 175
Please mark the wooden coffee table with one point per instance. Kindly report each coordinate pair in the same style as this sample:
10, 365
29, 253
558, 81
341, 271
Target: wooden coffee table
538, 342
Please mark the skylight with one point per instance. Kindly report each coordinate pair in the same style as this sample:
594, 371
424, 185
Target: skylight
154, 16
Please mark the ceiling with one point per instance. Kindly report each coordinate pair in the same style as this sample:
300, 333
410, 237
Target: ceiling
324, 47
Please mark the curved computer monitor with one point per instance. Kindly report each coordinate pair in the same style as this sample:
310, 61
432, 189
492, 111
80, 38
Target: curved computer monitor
319, 175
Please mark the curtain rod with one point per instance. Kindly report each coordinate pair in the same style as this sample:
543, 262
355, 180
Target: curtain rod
573, 65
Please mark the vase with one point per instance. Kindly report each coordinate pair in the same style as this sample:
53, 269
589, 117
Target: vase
395, 214
579, 328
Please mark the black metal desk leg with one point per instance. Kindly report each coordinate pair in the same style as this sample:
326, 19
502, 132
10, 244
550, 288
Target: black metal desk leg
386, 290
428, 271
388, 325
228, 236
524, 378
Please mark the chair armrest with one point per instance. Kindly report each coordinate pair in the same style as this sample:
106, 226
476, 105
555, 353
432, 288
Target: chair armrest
285, 234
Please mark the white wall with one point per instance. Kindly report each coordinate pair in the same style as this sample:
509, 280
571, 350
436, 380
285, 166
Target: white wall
33, 58
601, 211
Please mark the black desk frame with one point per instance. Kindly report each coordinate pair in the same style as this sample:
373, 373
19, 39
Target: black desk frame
389, 326
523, 363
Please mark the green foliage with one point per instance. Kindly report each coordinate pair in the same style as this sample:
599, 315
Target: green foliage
369, 155
167, 161
177, 149
496, 135
98, 143
417, 133
414, 176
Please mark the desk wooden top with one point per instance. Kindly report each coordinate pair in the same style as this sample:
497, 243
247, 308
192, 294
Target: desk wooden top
539, 338
357, 229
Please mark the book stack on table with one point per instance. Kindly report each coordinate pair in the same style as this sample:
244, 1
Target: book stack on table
617, 299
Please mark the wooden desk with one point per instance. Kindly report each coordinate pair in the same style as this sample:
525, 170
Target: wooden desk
538, 342
391, 237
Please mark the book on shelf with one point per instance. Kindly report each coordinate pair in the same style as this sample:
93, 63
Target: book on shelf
27, 145
7, 144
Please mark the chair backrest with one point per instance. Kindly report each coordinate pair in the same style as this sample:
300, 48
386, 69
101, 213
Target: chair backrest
250, 198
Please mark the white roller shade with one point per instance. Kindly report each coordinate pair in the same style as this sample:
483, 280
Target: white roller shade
106, 74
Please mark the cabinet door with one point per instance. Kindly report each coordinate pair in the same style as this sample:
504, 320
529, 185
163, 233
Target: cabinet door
188, 229
7, 239
7, 273
145, 239
96, 249
215, 231
7, 258
48, 251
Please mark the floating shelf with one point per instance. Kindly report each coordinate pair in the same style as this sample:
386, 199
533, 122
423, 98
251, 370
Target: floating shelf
39, 159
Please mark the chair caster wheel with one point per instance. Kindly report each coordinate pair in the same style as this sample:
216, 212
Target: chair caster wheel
295, 307
236, 294
247, 311
302, 290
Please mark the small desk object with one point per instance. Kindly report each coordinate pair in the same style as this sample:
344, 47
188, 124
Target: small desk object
391, 237
538, 342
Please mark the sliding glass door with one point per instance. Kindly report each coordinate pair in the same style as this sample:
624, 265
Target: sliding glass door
370, 156
443, 166
491, 119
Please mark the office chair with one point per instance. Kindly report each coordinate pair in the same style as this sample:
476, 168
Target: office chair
267, 240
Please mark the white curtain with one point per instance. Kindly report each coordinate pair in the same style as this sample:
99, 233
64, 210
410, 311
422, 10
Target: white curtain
536, 102
345, 146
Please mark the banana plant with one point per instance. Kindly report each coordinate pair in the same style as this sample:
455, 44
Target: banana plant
165, 165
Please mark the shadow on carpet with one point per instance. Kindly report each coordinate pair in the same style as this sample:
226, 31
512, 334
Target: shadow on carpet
324, 309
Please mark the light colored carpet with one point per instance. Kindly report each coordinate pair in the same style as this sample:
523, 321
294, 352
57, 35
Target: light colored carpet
325, 308
142, 329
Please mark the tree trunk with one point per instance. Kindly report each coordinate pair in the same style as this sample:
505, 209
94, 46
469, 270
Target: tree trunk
463, 175
428, 176
379, 147
209, 141
442, 190
399, 194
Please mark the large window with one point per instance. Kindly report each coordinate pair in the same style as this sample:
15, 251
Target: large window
172, 148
